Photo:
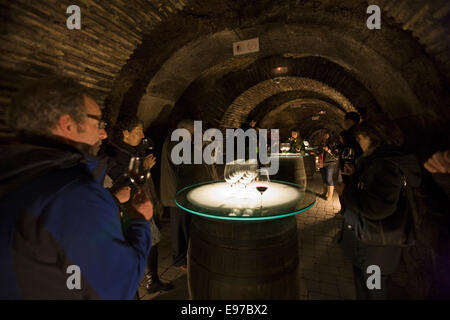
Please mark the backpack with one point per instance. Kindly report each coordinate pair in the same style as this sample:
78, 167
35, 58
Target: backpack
399, 229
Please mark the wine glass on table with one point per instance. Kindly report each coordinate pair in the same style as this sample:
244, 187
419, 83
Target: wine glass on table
233, 172
262, 182
249, 172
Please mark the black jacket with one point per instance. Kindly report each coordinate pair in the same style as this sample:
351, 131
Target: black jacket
377, 181
374, 193
349, 141
329, 158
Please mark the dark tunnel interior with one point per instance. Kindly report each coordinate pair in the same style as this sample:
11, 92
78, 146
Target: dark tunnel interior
315, 61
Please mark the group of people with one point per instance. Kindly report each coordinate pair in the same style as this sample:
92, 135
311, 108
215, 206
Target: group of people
60, 232
367, 165
66, 207
375, 179
69, 201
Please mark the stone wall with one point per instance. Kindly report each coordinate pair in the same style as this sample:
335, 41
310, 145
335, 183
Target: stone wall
35, 41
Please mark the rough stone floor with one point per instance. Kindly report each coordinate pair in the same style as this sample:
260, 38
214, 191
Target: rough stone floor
324, 272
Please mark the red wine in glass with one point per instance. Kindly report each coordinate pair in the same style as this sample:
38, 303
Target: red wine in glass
261, 189
262, 180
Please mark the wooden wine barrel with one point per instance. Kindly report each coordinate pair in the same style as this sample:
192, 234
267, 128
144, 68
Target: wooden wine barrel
243, 260
291, 170
310, 166
300, 173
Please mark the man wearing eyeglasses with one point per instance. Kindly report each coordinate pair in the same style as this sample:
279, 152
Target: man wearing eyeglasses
60, 236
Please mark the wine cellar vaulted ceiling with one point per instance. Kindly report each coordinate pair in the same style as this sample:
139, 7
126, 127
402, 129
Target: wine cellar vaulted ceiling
165, 59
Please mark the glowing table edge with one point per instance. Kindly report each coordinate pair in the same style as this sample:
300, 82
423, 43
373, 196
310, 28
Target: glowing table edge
235, 218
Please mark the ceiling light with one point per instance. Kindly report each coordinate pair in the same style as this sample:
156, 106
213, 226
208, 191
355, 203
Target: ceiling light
279, 71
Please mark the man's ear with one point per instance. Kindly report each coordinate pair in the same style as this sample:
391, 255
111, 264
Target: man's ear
125, 133
66, 125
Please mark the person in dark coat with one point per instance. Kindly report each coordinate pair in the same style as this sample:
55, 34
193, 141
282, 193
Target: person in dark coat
375, 193
126, 143
349, 149
439, 167
60, 237
174, 178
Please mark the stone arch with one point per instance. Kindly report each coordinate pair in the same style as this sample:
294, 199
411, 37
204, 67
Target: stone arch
393, 92
242, 105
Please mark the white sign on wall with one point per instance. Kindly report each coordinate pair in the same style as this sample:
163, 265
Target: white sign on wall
246, 46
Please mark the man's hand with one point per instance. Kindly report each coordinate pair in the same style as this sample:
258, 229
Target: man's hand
123, 194
439, 162
142, 205
149, 161
339, 188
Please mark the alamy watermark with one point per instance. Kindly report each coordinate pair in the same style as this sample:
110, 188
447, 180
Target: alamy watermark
214, 151
74, 280
374, 21
374, 280
74, 20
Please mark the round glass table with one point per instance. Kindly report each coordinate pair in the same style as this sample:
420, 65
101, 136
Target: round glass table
238, 249
220, 200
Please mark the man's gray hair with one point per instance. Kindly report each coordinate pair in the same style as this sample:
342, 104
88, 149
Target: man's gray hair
36, 109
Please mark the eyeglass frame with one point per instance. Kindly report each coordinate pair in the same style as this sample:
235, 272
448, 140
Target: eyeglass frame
102, 124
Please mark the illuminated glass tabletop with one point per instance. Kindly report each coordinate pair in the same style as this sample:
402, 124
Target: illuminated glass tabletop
220, 200
288, 155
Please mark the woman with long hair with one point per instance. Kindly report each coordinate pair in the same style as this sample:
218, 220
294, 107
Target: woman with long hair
328, 149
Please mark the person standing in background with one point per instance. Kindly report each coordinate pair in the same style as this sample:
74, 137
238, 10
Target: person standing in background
381, 189
328, 148
349, 148
295, 141
175, 177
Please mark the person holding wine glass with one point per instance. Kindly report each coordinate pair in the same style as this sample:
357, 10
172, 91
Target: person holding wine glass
381, 190
130, 167
54, 213
350, 150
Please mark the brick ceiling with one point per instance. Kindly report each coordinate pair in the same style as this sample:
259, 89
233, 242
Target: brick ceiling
166, 59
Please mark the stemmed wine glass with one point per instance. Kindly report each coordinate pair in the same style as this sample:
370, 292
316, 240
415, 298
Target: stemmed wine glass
137, 173
233, 172
249, 172
146, 147
348, 156
262, 181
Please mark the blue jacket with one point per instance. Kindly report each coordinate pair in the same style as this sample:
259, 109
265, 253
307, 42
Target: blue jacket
53, 214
